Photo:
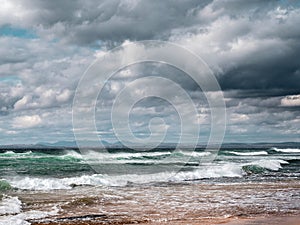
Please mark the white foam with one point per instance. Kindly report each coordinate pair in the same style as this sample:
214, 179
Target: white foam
249, 153
15, 153
32, 183
106, 155
28, 154
10, 205
211, 171
72, 154
287, 150
95, 180
207, 171
270, 164
103, 156
194, 154
37, 214
21, 218
9, 153
226, 170
13, 220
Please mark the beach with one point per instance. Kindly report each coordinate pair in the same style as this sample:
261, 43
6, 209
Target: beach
150, 112
250, 203
243, 185
283, 220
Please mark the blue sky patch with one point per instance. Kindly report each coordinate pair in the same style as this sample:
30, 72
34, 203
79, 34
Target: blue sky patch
10, 31
10, 79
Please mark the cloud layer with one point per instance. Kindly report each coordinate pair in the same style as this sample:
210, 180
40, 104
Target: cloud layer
252, 47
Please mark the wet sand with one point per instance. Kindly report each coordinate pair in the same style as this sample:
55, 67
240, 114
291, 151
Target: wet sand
283, 220
194, 203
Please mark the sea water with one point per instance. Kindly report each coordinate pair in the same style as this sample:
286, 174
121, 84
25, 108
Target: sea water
30, 177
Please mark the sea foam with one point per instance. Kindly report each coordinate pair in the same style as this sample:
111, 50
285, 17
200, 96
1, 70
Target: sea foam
10, 205
212, 170
249, 153
11, 212
286, 150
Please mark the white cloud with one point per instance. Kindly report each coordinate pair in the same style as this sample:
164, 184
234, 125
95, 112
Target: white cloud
12, 11
63, 96
238, 118
227, 34
291, 100
11, 132
26, 121
22, 102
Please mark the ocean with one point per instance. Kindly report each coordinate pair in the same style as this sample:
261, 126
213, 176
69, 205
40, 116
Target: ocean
59, 185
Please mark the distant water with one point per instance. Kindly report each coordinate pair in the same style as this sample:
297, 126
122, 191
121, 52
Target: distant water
38, 170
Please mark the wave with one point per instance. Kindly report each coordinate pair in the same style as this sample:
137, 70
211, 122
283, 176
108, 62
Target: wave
71, 154
253, 169
13, 154
286, 150
212, 171
193, 153
86, 155
273, 164
9, 153
249, 153
90, 155
140, 157
207, 171
40, 155
32, 183
230, 170
107, 155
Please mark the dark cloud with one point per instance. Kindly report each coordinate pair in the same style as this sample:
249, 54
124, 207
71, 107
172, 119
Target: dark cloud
253, 47
110, 21
268, 73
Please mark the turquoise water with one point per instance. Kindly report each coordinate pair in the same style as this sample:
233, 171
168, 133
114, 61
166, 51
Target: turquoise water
42, 185
40, 169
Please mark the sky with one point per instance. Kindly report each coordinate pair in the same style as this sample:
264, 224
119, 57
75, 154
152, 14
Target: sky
251, 47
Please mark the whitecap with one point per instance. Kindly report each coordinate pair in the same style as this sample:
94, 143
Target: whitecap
249, 153
286, 150
270, 164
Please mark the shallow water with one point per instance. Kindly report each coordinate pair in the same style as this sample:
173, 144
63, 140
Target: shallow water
164, 202
40, 186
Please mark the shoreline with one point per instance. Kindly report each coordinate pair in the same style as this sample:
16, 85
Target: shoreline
268, 203
265, 220
249, 203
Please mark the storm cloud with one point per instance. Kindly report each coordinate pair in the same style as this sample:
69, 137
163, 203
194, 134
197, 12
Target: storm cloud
252, 47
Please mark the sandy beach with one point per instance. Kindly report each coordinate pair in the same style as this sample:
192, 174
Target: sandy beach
284, 220
247, 203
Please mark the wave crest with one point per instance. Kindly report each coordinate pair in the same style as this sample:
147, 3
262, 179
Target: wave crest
286, 150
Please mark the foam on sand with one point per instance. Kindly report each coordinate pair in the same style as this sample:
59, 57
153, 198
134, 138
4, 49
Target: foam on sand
10, 205
11, 212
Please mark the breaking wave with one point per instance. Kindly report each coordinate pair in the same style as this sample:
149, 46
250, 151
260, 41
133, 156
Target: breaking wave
203, 172
286, 150
249, 153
